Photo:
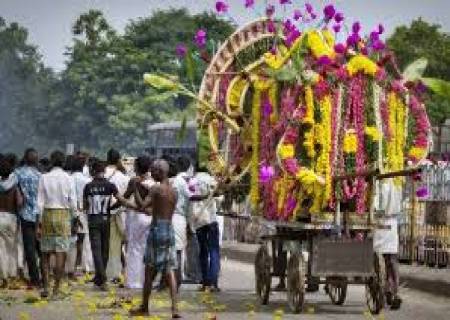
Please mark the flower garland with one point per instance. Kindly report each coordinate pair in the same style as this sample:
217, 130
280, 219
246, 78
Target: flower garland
259, 86
308, 119
350, 143
419, 149
323, 194
355, 118
321, 43
395, 145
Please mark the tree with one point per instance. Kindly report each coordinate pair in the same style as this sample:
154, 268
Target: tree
422, 39
24, 84
102, 84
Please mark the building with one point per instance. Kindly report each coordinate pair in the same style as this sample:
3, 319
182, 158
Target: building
441, 138
165, 139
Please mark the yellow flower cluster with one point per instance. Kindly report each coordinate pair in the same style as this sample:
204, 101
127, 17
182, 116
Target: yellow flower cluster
350, 143
306, 177
361, 63
320, 43
417, 153
286, 151
309, 119
395, 146
323, 194
373, 133
276, 61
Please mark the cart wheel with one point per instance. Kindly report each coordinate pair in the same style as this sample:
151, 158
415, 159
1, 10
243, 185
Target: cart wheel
296, 283
263, 278
337, 291
375, 286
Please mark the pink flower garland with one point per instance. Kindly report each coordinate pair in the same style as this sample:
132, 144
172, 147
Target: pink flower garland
334, 137
355, 112
422, 126
385, 117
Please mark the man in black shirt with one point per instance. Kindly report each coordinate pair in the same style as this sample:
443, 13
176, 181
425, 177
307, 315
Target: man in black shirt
97, 198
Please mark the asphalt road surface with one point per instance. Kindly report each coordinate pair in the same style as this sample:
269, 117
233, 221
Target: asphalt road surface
236, 301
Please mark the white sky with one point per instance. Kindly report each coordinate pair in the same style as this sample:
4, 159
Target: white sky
49, 21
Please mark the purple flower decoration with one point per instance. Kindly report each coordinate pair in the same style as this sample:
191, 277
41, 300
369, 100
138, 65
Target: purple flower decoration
249, 3
422, 192
353, 39
324, 61
365, 51
200, 38
337, 28
266, 173
380, 28
291, 204
356, 27
339, 17
292, 36
181, 50
288, 26
297, 15
340, 48
374, 36
313, 16
309, 7
221, 7
378, 45
267, 108
271, 26
329, 11
270, 10
285, 1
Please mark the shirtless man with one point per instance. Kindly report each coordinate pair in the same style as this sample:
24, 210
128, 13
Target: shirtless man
160, 254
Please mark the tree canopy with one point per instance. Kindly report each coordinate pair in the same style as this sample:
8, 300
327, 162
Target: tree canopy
424, 40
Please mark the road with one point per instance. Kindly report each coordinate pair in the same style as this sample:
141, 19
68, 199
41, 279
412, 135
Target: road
236, 301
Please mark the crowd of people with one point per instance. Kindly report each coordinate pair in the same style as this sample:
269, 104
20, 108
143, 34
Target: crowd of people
72, 215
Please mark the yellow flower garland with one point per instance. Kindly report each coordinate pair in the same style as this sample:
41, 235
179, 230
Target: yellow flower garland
260, 85
308, 142
286, 151
361, 63
323, 194
417, 152
395, 145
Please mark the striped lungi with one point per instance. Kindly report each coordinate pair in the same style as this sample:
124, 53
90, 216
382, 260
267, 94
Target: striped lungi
56, 230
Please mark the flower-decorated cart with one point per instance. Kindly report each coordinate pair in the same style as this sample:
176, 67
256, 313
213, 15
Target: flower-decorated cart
314, 119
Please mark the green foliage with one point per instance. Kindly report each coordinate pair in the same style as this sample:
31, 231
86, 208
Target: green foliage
100, 99
424, 40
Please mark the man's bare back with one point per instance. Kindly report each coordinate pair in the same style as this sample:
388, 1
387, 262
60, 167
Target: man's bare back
164, 199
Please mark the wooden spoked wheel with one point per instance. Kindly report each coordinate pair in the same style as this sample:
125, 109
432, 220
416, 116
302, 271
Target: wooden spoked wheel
263, 278
375, 286
337, 291
296, 283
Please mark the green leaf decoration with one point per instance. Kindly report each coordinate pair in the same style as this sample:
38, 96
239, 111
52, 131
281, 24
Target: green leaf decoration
415, 70
160, 82
161, 97
285, 74
438, 86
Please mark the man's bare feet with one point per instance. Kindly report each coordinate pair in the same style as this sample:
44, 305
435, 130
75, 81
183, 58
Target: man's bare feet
140, 311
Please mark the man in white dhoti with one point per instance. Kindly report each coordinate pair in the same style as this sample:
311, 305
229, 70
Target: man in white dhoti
114, 175
137, 225
386, 242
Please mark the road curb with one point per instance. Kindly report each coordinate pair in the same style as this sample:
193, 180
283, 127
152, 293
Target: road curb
409, 277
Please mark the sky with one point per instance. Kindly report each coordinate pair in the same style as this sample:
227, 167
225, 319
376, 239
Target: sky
49, 21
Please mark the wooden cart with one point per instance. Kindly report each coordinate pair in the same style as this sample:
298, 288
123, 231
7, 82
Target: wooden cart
325, 253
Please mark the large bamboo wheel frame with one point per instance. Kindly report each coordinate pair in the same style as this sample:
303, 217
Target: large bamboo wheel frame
221, 62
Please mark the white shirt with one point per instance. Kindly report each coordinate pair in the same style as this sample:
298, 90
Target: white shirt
180, 184
113, 175
80, 181
57, 191
203, 212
